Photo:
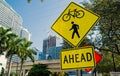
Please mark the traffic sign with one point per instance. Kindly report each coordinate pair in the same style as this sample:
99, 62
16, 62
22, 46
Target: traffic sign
77, 58
97, 57
74, 23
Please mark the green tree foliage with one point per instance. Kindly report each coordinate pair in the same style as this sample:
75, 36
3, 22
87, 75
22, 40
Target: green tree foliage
9, 43
5, 36
13, 48
2, 72
109, 24
25, 52
107, 63
39, 70
109, 29
13, 45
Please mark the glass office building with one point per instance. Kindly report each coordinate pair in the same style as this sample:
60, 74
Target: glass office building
41, 56
51, 47
54, 52
51, 41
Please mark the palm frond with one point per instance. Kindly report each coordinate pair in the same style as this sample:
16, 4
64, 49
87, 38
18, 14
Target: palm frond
28, 1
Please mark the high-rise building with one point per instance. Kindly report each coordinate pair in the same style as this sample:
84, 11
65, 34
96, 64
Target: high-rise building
25, 34
41, 56
54, 52
51, 41
10, 19
52, 47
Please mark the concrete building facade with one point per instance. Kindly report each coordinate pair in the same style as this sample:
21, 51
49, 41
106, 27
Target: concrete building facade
9, 18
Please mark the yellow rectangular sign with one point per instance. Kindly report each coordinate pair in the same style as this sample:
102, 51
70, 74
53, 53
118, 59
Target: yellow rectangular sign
77, 58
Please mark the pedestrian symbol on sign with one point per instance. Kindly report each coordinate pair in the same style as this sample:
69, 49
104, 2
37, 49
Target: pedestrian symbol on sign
74, 23
75, 28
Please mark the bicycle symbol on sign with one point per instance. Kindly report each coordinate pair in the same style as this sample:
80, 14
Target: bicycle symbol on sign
74, 13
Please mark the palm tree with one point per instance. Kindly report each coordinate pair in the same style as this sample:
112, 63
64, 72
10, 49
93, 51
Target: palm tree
25, 53
5, 36
13, 48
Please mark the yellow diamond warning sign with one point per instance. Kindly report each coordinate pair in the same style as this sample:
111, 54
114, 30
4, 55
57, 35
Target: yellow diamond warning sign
77, 58
74, 23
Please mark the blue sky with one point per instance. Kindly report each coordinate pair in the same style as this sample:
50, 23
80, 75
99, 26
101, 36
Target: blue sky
38, 17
